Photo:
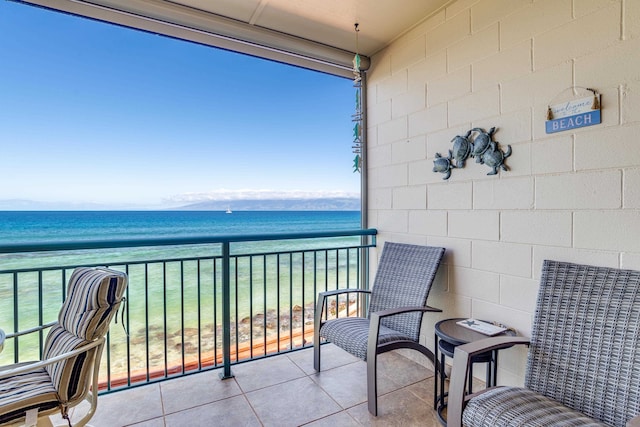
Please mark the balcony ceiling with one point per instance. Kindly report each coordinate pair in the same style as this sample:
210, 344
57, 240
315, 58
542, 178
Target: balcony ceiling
317, 34
330, 22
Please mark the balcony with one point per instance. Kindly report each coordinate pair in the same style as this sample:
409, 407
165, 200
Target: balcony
280, 391
219, 303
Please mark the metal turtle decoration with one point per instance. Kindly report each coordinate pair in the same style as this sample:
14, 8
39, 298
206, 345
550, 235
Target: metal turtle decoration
461, 149
443, 164
482, 147
494, 158
481, 142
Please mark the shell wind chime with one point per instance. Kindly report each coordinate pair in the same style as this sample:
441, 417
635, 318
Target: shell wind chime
357, 116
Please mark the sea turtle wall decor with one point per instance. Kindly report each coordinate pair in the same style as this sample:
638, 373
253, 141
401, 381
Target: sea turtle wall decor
443, 164
481, 142
480, 146
461, 149
494, 158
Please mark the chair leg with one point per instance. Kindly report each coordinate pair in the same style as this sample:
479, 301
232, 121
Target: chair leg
372, 383
316, 349
317, 324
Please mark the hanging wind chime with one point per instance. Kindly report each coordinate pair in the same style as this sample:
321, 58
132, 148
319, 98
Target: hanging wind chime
357, 117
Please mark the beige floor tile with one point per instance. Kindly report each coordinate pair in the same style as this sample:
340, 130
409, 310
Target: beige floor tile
293, 403
347, 384
128, 407
156, 422
400, 370
195, 390
399, 408
331, 357
279, 391
266, 372
341, 419
234, 411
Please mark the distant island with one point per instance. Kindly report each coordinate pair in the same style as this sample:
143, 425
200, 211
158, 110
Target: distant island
281, 204
319, 204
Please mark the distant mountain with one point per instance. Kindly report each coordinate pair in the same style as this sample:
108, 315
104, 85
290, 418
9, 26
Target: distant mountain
319, 204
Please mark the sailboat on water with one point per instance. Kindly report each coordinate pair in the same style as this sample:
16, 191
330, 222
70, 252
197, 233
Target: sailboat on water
228, 211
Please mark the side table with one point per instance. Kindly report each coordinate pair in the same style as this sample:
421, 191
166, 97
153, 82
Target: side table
448, 335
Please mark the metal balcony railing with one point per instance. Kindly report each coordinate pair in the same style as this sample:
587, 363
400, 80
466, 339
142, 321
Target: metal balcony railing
193, 304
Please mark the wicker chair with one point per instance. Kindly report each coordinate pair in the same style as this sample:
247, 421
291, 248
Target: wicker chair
398, 302
72, 351
583, 367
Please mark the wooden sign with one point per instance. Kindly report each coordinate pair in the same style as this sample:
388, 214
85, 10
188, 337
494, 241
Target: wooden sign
574, 114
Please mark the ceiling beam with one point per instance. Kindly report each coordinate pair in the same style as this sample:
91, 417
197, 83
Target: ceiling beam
173, 20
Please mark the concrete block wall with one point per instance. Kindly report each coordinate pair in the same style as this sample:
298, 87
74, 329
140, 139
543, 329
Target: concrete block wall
572, 196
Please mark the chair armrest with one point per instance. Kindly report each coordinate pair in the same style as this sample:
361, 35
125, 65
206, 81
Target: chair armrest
322, 297
375, 317
634, 422
461, 361
400, 310
29, 331
343, 291
28, 367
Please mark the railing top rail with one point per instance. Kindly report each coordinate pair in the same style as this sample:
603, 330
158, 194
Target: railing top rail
175, 241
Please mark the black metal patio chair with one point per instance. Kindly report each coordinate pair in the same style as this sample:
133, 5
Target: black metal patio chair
397, 304
583, 366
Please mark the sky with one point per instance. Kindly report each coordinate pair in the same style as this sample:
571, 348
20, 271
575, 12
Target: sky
95, 113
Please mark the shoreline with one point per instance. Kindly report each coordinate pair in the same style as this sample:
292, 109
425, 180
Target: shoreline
184, 355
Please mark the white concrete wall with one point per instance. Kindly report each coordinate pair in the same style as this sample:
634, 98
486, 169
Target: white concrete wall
572, 196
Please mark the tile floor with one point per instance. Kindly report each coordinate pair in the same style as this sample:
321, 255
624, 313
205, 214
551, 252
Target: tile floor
281, 391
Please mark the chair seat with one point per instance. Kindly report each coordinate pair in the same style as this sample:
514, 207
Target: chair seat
515, 406
27, 391
352, 334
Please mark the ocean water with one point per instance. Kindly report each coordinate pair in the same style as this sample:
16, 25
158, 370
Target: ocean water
169, 292
48, 226
40, 226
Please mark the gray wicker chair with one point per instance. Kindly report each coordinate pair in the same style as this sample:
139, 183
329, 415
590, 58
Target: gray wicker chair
398, 302
583, 366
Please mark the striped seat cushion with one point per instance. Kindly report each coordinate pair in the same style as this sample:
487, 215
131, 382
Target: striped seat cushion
93, 298
352, 334
514, 406
70, 376
20, 393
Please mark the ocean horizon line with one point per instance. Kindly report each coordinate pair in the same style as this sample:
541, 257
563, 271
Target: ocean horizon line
253, 204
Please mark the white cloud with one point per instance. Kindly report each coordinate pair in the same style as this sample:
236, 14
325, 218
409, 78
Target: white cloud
229, 195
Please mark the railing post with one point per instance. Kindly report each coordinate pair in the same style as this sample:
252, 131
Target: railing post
226, 312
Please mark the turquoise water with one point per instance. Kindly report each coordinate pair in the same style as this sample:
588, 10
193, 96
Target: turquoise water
170, 293
40, 226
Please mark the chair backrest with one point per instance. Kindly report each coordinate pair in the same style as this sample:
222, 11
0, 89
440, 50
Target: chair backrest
93, 298
403, 279
585, 343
